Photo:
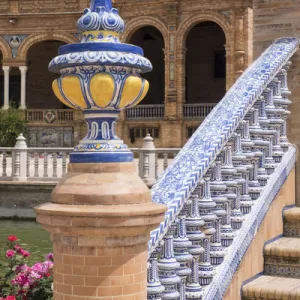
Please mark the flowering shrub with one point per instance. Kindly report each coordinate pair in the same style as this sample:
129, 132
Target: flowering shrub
22, 282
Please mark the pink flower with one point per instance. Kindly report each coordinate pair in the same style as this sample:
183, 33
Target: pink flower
21, 268
48, 264
50, 257
38, 267
25, 253
10, 253
12, 238
10, 298
17, 247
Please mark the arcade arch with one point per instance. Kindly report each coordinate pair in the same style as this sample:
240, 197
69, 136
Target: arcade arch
205, 63
152, 42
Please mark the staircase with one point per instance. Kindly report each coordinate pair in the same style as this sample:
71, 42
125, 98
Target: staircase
221, 191
281, 279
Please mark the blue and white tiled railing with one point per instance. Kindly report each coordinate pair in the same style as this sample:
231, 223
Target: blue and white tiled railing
221, 184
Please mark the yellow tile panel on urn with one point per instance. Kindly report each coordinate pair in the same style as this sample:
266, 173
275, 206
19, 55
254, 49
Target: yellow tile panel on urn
131, 90
102, 89
71, 87
58, 94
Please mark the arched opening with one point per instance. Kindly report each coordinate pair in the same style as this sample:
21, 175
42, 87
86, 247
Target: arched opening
151, 40
1, 81
205, 64
14, 85
39, 94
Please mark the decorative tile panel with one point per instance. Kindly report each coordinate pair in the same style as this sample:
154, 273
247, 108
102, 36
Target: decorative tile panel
14, 41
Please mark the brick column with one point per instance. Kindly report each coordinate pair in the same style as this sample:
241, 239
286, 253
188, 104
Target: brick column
239, 49
100, 218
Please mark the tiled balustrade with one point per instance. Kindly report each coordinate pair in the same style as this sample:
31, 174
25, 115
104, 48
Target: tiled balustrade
221, 184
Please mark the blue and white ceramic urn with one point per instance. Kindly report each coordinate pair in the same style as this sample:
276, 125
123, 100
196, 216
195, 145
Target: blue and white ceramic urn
100, 76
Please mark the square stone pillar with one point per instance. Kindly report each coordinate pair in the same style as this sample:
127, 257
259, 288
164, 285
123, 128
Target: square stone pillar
100, 219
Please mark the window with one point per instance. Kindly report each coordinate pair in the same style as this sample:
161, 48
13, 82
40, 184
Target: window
140, 133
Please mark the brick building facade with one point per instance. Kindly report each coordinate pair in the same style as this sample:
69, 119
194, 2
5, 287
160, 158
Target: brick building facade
198, 48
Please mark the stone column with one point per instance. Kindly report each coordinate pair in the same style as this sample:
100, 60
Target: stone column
239, 49
6, 70
23, 70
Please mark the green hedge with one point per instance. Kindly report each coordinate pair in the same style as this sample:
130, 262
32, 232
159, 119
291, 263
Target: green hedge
12, 123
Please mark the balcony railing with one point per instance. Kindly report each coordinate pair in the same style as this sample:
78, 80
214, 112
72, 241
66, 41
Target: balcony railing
197, 110
146, 112
50, 115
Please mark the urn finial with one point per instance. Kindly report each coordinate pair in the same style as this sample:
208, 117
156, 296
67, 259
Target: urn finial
100, 76
97, 3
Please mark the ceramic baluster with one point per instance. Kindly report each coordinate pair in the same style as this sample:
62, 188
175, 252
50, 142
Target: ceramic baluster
284, 103
260, 145
181, 246
206, 204
274, 116
167, 266
217, 188
268, 135
253, 157
238, 161
193, 289
193, 225
154, 287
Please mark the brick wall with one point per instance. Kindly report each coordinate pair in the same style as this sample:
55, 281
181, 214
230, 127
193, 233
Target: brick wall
173, 19
274, 19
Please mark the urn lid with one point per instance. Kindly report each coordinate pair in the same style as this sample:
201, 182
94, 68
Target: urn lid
100, 45
101, 16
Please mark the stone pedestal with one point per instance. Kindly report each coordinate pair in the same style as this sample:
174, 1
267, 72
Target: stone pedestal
100, 219
101, 212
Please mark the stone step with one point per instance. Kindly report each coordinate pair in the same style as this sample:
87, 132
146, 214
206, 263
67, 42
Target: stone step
271, 288
292, 222
282, 257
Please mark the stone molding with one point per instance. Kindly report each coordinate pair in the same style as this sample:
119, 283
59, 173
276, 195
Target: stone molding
40, 37
135, 24
4, 48
198, 17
